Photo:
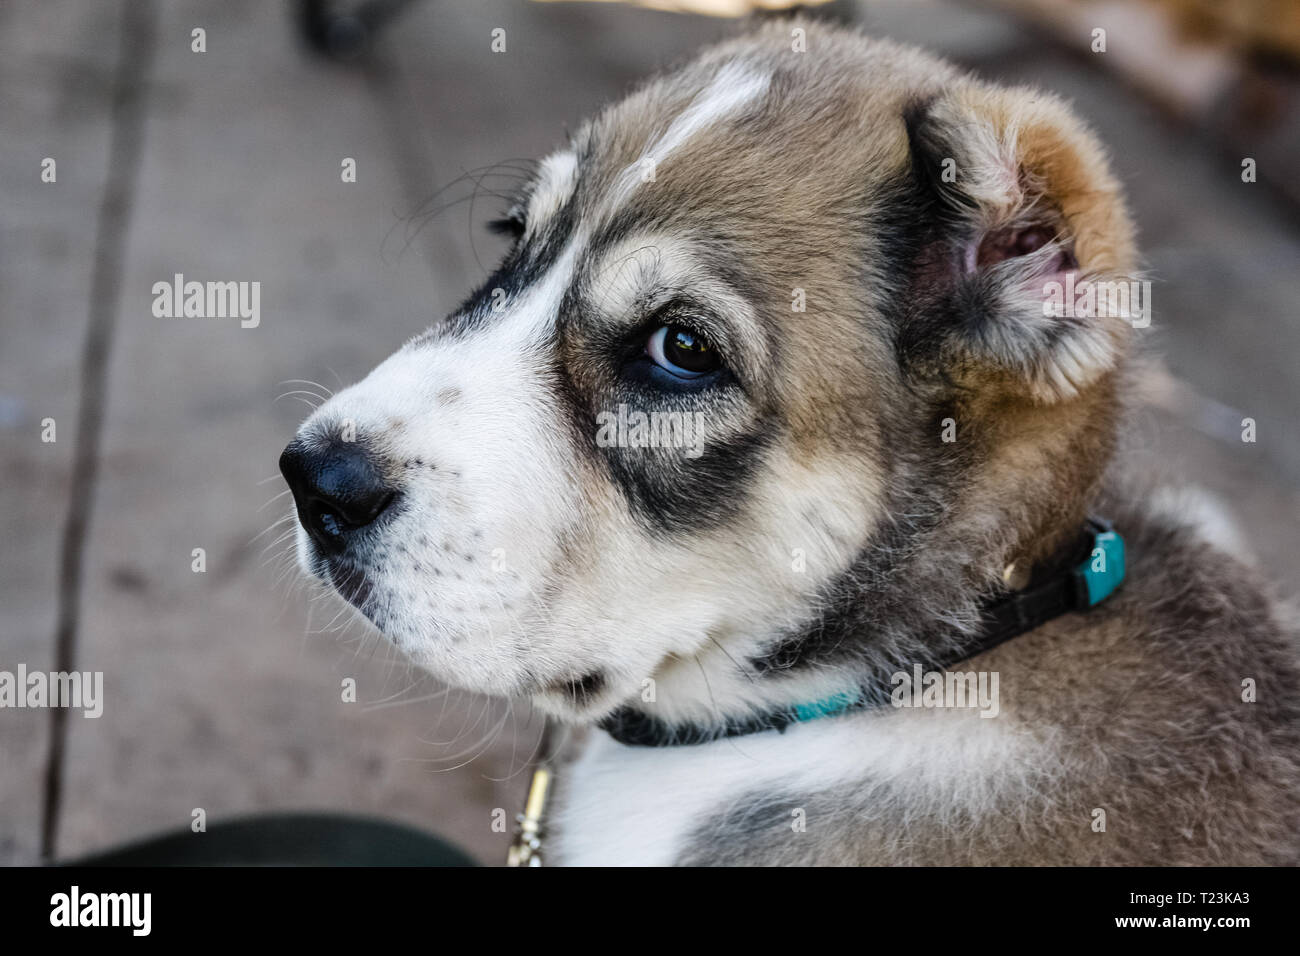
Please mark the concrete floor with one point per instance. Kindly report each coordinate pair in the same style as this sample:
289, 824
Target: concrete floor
223, 687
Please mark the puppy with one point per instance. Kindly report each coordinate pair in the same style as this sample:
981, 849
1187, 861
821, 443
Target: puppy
772, 452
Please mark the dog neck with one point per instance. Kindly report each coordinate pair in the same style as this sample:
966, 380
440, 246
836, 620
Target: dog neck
1075, 576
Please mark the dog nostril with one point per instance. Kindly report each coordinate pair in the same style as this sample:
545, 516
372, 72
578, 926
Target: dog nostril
337, 488
325, 520
334, 518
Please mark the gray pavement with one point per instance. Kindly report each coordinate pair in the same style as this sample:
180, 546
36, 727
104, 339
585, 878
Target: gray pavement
223, 687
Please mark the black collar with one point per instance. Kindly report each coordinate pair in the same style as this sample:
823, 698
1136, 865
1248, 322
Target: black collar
1079, 576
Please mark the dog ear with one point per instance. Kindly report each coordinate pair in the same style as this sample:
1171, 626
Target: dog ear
1024, 224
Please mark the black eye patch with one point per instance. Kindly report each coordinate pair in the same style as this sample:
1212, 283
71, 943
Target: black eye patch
511, 226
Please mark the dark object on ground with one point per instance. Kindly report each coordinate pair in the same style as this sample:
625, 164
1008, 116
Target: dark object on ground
344, 31
290, 839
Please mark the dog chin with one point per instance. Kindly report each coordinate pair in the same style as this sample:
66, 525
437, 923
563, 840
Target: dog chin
584, 698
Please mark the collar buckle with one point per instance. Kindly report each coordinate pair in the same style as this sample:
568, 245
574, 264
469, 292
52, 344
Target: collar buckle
1103, 570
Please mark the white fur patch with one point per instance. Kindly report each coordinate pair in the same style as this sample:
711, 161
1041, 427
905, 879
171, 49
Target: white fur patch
534, 312
557, 177
637, 806
1200, 509
735, 86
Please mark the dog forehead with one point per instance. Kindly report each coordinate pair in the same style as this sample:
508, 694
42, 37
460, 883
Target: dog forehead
751, 153
755, 133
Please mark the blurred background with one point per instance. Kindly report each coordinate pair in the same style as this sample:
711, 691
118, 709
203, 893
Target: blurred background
223, 686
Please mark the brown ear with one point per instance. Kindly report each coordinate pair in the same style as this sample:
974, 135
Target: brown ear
1026, 218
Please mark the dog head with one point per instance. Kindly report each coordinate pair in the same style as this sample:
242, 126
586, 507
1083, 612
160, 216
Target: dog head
765, 381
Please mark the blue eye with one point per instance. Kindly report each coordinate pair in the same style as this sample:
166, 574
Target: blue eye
681, 352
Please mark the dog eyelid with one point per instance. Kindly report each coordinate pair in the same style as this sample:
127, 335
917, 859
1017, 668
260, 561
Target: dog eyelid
512, 224
687, 314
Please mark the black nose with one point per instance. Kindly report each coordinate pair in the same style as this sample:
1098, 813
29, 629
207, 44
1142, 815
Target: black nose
337, 488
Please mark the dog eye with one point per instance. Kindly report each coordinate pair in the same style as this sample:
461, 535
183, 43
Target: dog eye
682, 352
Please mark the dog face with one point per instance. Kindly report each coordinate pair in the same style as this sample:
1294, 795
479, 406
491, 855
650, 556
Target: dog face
708, 395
